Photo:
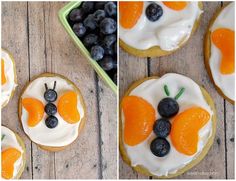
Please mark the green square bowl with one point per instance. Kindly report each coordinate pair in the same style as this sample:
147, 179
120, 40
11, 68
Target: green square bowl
63, 13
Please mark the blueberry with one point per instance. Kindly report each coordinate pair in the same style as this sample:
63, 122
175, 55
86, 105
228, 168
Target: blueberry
106, 63
110, 8
99, 15
90, 40
97, 52
77, 15
162, 127
99, 5
108, 26
51, 122
50, 95
88, 6
79, 29
90, 22
160, 147
115, 78
108, 51
168, 107
154, 12
50, 109
109, 40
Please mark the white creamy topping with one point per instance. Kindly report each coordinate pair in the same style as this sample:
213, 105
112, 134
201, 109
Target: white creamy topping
225, 82
10, 84
64, 133
167, 32
152, 91
10, 141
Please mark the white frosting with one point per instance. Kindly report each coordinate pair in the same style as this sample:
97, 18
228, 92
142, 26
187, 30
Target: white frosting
167, 32
10, 84
64, 133
10, 141
225, 82
152, 91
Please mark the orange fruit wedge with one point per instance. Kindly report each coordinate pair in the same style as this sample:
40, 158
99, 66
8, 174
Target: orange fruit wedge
3, 80
185, 127
223, 39
139, 116
9, 157
67, 107
175, 5
35, 109
130, 13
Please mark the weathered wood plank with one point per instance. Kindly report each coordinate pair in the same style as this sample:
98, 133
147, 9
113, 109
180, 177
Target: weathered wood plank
81, 159
15, 40
130, 69
107, 100
189, 61
230, 135
38, 66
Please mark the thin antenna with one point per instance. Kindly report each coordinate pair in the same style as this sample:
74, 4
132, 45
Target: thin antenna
54, 86
46, 86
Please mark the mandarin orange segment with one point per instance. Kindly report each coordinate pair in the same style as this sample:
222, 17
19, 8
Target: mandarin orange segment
130, 13
223, 39
9, 157
35, 109
175, 5
67, 107
185, 127
4, 80
139, 116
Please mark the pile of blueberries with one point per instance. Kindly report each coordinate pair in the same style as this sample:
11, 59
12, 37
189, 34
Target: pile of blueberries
95, 24
167, 108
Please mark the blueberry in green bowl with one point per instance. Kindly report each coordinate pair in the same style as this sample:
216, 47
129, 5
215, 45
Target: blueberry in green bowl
93, 28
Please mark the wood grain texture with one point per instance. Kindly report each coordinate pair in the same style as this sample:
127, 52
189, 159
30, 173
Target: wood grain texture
15, 40
46, 47
189, 61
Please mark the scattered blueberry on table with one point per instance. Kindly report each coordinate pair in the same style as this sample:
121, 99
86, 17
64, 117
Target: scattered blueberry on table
95, 24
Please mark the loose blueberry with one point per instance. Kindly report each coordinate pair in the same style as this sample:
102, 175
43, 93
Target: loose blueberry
77, 15
79, 29
106, 63
50, 109
154, 12
160, 147
88, 7
50, 95
99, 15
162, 127
168, 107
110, 8
108, 26
97, 52
90, 22
109, 40
90, 40
51, 122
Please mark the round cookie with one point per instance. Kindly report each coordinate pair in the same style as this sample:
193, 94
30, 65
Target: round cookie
156, 51
22, 145
3, 104
82, 121
141, 169
207, 53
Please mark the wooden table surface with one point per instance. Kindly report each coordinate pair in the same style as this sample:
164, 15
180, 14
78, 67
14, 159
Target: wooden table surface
39, 43
219, 162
